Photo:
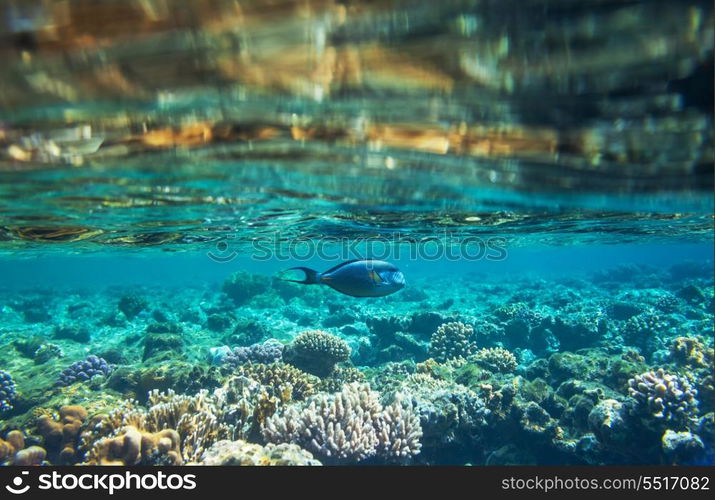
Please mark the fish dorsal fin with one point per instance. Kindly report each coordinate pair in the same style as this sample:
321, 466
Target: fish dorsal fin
335, 268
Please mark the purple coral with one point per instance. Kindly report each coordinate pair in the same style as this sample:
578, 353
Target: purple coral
270, 351
664, 396
82, 371
7, 391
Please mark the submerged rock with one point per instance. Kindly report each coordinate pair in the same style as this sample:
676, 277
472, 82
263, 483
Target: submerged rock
683, 447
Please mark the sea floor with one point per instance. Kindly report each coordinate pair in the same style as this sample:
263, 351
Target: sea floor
612, 367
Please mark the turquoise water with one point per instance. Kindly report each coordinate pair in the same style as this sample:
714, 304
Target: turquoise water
540, 172
100, 270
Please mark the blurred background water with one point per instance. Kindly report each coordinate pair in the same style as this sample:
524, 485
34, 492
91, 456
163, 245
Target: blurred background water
154, 123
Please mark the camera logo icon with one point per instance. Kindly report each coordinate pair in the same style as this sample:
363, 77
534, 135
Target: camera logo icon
17, 481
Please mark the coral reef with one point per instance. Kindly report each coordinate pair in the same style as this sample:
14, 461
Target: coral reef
687, 351
452, 340
667, 303
247, 332
242, 453
132, 305
77, 333
133, 447
242, 286
14, 452
351, 425
8, 391
270, 351
283, 380
643, 331
163, 341
219, 322
83, 371
316, 352
611, 368
496, 359
60, 436
340, 376
664, 398
683, 447
450, 414
235, 410
47, 352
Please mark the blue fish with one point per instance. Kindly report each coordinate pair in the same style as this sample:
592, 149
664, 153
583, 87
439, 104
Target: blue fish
358, 278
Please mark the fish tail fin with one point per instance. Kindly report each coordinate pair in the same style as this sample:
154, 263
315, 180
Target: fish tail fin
312, 277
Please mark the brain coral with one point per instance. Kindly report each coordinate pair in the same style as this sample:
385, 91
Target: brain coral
61, 435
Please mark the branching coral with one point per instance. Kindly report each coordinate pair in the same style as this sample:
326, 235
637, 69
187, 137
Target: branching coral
234, 411
452, 340
244, 405
316, 352
664, 397
642, 331
351, 425
194, 418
